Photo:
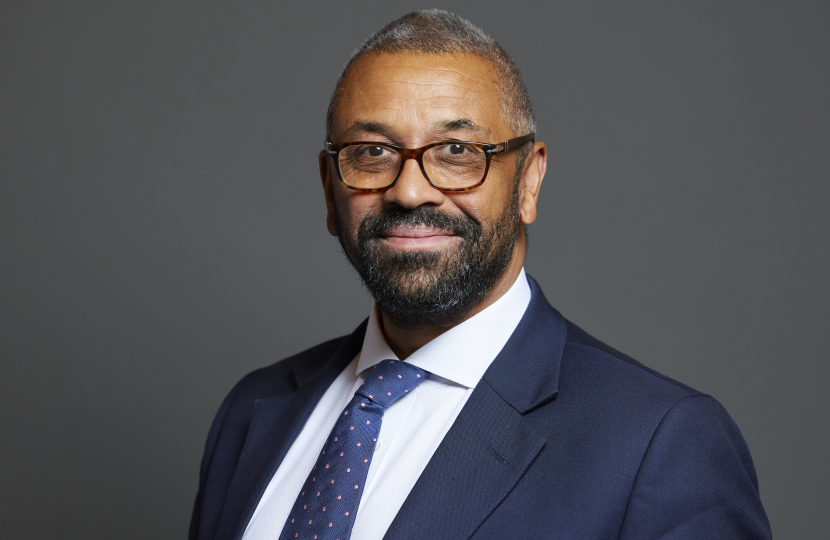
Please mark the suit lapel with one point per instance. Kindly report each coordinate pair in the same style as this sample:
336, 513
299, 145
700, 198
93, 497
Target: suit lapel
490, 445
275, 424
480, 460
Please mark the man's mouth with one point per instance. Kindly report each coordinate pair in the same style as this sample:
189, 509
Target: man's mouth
418, 237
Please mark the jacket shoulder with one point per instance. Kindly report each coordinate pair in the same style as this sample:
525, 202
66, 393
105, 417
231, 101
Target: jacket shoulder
620, 369
280, 376
668, 460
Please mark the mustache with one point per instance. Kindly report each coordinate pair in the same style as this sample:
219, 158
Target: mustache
373, 227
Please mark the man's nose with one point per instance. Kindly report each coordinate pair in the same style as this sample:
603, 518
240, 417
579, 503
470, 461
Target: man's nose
412, 189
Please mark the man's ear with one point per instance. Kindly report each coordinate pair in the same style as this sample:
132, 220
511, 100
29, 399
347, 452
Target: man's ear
328, 188
534, 172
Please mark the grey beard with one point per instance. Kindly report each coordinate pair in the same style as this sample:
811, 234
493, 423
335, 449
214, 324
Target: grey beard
431, 288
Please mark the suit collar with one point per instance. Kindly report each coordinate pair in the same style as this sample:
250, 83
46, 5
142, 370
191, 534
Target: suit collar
491, 444
464, 352
308, 369
526, 372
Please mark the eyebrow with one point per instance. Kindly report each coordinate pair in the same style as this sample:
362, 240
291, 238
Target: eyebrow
461, 124
368, 127
458, 124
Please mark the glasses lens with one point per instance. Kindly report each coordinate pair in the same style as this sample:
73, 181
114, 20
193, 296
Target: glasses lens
369, 166
455, 166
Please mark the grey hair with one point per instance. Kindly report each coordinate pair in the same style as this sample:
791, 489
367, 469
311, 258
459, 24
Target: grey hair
435, 31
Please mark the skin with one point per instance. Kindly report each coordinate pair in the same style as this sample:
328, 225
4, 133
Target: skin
412, 100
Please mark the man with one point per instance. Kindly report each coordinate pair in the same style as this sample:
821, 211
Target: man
465, 406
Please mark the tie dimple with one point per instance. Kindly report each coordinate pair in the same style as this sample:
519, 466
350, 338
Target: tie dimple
326, 507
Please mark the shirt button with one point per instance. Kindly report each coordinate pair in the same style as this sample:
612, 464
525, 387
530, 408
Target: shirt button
377, 447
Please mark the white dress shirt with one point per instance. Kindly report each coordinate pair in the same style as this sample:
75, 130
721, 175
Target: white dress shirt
413, 426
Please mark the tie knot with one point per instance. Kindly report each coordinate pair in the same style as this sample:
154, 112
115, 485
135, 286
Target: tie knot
389, 380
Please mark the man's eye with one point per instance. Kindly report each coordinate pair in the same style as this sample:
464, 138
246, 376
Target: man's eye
457, 151
375, 151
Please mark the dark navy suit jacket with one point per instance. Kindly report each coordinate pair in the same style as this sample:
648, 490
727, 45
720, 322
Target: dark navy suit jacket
563, 438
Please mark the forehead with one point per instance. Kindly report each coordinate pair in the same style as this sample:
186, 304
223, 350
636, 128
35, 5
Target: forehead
418, 97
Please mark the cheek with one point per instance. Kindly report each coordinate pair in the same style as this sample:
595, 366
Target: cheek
353, 207
476, 206
487, 203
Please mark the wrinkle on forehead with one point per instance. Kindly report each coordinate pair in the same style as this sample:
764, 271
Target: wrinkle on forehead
418, 96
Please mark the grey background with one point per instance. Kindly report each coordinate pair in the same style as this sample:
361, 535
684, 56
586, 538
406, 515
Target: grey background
162, 225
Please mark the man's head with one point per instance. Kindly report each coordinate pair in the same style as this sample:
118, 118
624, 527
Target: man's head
430, 256
438, 32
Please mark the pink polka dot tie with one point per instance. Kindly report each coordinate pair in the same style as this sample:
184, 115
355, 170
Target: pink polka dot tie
327, 504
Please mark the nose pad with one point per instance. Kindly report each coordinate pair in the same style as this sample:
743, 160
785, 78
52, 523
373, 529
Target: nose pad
412, 189
412, 167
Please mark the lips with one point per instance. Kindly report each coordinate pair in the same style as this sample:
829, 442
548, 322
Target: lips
403, 231
417, 237
422, 230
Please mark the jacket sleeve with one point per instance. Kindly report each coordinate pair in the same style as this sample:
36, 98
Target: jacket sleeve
696, 479
207, 457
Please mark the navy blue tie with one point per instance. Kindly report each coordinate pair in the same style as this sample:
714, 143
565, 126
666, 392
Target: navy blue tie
327, 505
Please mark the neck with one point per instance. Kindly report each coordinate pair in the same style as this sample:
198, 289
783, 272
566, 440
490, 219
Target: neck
406, 340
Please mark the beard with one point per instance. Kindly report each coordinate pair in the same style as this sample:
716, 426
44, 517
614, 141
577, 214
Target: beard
416, 289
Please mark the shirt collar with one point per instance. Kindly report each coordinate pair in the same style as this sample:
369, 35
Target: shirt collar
464, 352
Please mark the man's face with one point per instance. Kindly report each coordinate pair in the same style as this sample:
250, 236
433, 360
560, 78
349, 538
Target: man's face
426, 256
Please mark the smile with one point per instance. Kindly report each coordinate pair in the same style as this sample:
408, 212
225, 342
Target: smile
418, 238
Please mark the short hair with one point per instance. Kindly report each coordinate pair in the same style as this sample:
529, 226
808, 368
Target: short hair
435, 31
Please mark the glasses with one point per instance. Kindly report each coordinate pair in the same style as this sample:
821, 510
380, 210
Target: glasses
447, 165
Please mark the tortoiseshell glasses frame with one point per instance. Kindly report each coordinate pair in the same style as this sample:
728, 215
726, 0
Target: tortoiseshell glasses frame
487, 150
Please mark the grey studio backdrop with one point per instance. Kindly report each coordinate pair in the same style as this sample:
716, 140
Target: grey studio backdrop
162, 225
